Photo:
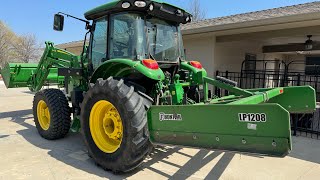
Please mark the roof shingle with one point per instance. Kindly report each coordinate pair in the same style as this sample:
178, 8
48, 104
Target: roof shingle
257, 15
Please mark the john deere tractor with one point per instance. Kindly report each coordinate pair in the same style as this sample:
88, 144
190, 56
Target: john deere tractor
132, 87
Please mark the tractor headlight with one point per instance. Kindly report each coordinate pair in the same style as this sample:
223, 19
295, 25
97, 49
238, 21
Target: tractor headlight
140, 4
126, 5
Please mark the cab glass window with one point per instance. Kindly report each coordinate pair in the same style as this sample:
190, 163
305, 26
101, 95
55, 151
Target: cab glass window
99, 42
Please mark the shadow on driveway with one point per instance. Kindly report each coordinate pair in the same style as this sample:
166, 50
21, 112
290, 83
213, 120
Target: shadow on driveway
306, 148
72, 151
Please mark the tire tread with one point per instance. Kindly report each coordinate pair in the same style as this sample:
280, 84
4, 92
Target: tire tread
60, 113
134, 108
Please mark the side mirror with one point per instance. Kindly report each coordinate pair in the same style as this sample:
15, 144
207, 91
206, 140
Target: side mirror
58, 22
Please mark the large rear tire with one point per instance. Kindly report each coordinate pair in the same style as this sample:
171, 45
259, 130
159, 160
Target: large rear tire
114, 125
52, 114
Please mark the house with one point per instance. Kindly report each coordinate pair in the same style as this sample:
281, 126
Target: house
75, 47
268, 48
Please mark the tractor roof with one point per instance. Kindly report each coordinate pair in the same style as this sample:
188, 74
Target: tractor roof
115, 6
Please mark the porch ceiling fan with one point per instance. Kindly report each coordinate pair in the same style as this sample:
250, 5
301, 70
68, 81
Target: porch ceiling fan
308, 45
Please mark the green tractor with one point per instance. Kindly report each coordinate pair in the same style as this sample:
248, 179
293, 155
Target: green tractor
132, 88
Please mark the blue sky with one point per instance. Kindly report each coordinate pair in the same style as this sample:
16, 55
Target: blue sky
36, 16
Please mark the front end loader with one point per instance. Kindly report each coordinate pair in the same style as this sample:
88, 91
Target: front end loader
133, 87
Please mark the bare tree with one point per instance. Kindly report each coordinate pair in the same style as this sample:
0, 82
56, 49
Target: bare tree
197, 12
6, 36
26, 48
16, 48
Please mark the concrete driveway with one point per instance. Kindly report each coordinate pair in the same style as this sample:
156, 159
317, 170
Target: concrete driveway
25, 155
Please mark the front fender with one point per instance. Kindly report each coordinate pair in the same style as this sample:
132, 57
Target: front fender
125, 68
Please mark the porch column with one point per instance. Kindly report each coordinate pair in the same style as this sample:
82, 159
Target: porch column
213, 65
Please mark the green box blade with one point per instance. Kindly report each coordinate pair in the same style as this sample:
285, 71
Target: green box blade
220, 127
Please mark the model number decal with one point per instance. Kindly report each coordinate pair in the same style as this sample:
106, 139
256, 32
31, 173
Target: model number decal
170, 117
252, 117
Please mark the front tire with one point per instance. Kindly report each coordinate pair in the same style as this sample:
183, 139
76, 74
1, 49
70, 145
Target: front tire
114, 125
51, 113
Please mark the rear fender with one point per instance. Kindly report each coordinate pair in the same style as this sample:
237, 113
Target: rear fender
196, 74
125, 68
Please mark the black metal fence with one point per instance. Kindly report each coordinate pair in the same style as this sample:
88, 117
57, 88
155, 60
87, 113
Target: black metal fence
270, 74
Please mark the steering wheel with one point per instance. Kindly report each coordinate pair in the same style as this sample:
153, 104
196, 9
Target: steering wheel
120, 45
156, 44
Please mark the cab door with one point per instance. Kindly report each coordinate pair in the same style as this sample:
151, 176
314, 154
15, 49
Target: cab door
99, 39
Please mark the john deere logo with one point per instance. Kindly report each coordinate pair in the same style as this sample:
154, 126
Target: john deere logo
170, 117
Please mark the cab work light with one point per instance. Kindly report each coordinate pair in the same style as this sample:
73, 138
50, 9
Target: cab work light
140, 4
126, 5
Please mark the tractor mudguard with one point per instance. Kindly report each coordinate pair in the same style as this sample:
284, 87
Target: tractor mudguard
261, 128
123, 68
197, 74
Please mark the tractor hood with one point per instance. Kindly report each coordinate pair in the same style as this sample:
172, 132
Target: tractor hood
155, 8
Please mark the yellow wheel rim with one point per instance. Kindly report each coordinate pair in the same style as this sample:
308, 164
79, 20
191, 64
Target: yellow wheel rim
43, 115
106, 126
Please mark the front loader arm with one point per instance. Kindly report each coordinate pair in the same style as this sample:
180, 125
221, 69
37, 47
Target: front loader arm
52, 57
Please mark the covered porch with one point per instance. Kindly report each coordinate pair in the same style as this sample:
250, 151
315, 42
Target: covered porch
261, 53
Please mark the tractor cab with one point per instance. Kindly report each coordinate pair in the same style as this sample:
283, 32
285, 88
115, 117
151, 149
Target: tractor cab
136, 30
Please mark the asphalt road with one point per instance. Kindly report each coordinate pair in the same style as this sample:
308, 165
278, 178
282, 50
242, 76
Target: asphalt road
25, 155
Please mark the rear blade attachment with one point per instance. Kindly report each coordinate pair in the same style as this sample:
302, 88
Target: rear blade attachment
252, 121
262, 129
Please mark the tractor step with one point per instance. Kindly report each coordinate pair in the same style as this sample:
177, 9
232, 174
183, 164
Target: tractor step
261, 128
